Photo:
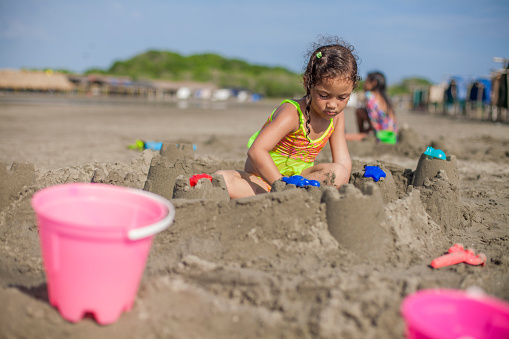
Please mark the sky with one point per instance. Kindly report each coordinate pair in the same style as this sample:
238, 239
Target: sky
431, 39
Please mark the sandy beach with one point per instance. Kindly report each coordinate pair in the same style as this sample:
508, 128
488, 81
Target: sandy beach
279, 265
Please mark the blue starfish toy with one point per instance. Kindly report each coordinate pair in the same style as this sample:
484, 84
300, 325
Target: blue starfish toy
374, 172
300, 181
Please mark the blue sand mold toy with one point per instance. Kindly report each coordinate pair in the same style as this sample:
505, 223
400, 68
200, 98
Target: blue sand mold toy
153, 145
435, 153
300, 181
374, 172
157, 145
140, 145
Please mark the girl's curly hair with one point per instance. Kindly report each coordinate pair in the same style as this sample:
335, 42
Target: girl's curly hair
329, 58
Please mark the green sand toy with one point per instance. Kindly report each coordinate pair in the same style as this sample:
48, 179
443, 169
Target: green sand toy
387, 137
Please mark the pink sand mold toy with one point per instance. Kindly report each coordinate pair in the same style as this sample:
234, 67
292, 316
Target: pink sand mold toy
435, 153
457, 254
195, 178
458, 314
95, 240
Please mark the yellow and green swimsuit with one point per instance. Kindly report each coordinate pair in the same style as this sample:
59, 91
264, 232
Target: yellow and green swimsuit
296, 151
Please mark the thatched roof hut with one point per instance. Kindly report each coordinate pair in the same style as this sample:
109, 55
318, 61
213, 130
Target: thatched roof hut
34, 80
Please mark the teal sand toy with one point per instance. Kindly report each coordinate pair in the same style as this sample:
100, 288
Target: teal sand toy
435, 153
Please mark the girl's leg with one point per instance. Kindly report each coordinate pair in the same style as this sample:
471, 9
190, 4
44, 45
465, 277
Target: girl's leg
362, 120
331, 174
242, 184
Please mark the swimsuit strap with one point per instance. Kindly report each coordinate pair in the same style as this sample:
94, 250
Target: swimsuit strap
302, 121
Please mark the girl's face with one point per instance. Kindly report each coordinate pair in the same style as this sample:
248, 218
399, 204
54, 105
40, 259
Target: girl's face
330, 97
369, 85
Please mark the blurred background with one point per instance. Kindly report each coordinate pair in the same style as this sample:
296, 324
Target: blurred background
245, 51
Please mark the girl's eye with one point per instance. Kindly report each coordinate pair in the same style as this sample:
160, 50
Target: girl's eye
323, 96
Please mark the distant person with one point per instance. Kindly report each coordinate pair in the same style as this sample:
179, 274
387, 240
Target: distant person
377, 116
297, 130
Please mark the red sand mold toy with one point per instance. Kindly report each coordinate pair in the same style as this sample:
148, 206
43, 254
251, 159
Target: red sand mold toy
457, 254
194, 179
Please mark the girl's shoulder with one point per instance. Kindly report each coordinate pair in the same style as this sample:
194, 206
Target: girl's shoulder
299, 104
291, 108
290, 112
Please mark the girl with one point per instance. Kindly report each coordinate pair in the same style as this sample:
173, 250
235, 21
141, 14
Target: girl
378, 114
297, 130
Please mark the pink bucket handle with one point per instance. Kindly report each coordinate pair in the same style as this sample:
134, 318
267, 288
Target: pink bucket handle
144, 232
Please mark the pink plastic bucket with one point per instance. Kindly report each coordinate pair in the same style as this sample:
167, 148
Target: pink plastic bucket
95, 240
446, 313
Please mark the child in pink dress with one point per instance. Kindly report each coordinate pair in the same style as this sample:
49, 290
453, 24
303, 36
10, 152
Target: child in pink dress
378, 114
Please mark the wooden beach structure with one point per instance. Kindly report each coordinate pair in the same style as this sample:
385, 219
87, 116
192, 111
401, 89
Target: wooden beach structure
101, 85
105, 85
22, 80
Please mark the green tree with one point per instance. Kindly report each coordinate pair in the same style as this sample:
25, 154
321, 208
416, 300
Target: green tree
208, 67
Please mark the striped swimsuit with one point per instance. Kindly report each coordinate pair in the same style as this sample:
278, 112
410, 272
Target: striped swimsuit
296, 152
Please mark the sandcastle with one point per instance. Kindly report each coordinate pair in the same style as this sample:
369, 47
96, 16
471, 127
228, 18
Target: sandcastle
367, 235
178, 160
351, 226
429, 167
214, 189
438, 182
386, 185
364, 234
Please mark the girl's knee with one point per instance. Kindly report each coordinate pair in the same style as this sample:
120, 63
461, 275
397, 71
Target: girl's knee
237, 186
227, 175
221, 172
342, 175
231, 177
336, 174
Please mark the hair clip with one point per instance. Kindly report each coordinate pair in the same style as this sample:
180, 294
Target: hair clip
319, 55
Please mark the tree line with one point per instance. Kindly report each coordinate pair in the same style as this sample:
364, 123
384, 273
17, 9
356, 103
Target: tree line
223, 72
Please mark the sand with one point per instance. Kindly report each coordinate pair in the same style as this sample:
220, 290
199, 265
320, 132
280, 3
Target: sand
306, 263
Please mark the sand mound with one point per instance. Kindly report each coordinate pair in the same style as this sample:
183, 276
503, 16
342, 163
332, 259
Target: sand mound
297, 262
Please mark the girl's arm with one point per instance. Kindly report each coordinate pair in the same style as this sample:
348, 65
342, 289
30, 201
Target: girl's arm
339, 150
285, 120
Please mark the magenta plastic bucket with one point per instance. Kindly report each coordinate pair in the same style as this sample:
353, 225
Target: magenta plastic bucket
95, 240
447, 313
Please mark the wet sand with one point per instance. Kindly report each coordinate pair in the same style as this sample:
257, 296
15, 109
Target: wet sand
273, 266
